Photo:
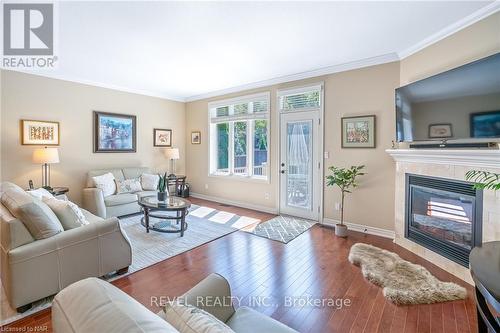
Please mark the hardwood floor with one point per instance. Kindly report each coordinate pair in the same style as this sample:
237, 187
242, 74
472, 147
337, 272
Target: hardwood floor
313, 265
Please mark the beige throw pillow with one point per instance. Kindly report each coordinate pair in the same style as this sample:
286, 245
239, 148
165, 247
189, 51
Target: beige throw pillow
189, 319
128, 186
68, 213
40, 193
106, 183
149, 182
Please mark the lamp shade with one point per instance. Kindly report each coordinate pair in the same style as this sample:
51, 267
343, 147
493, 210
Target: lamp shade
172, 153
46, 155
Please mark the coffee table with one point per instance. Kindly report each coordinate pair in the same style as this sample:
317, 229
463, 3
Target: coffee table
179, 206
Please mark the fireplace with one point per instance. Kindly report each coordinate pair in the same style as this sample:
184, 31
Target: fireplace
443, 215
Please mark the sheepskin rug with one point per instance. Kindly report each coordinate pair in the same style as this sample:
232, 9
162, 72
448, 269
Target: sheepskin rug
403, 282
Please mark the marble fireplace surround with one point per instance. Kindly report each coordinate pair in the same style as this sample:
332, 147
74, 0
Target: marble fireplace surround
451, 164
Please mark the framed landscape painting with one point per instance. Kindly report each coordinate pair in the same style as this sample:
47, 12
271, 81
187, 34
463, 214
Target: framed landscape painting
358, 132
114, 133
37, 132
162, 137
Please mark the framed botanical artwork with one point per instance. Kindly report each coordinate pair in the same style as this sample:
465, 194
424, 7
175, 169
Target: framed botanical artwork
162, 137
39, 132
114, 133
358, 132
196, 137
442, 131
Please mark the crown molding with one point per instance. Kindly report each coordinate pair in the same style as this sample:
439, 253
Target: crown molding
102, 85
477, 16
378, 60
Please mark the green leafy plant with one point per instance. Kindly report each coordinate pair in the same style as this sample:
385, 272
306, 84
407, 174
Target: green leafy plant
345, 179
162, 183
484, 179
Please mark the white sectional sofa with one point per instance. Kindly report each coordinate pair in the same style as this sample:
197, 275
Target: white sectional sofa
116, 204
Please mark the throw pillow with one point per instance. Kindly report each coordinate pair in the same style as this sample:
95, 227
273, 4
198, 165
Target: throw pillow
40, 193
190, 319
106, 183
149, 182
68, 213
128, 185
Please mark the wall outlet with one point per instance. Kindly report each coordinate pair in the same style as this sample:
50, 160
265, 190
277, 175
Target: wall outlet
337, 206
266, 196
327, 154
206, 186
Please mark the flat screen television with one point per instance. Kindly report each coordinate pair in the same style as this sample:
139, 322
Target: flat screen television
460, 105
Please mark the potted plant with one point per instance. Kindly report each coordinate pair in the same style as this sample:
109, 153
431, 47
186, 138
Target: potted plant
345, 179
484, 179
163, 187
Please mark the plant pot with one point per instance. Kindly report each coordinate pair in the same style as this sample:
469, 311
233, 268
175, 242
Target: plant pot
341, 230
162, 196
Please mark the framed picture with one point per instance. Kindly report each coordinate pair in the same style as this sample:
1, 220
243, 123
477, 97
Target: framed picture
485, 124
437, 131
196, 137
162, 137
114, 133
38, 132
358, 132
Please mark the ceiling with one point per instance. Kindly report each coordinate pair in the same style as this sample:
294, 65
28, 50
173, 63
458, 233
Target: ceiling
189, 50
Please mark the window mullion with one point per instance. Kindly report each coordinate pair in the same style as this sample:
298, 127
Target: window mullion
231, 148
250, 130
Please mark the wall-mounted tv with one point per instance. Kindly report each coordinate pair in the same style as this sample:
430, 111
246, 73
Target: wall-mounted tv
462, 105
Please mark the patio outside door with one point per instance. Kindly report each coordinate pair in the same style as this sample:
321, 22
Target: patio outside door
299, 164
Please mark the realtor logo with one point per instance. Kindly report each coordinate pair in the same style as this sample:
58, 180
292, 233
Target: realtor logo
28, 36
28, 29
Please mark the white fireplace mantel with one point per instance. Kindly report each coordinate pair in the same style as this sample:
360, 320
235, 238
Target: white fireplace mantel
485, 158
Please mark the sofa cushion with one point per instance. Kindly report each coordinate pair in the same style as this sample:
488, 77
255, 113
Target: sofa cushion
120, 199
246, 320
40, 193
143, 194
190, 319
68, 213
136, 172
93, 305
106, 183
91, 217
118, 173
128, 186
13, 232
149, 182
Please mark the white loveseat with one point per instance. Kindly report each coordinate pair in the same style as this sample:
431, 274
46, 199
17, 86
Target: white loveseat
93, 305
32, 269
116, 204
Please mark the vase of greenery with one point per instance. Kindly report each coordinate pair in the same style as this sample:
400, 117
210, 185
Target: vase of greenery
163, 187
484, 179
345, 179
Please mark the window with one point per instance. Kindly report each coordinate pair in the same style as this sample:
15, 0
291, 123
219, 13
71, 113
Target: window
239, 137
300, 99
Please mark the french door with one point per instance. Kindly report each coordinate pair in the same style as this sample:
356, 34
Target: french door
300, 164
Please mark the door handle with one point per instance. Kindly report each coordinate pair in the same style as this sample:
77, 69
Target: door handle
282, 171
282, 164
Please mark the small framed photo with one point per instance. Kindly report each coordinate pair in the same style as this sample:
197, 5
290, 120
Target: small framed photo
114, 133
37, 132
358, 132
441, 131
162, 137
196, 137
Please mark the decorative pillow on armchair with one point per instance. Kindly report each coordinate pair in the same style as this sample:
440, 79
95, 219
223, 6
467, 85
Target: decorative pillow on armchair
189, 319
149, 182
68, 213
128, 186
106, 183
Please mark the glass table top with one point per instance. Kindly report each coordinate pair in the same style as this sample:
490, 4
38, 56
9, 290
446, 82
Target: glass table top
171, 203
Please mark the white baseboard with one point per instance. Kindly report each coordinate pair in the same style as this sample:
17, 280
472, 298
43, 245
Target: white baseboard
363, 228
259, 208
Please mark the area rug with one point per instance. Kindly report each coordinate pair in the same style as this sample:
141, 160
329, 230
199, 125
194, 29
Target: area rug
283, 228
204, 225
403, 282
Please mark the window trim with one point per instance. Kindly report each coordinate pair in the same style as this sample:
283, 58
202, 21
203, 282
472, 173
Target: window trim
231, 119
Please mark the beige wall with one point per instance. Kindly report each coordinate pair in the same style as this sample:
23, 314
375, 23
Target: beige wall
472, 43
357, 92
27, 96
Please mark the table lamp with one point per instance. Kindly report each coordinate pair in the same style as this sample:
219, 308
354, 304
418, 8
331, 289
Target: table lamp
46, 157
172, 154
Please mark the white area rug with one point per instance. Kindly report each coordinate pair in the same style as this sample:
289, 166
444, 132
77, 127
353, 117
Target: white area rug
204, 225
283, 228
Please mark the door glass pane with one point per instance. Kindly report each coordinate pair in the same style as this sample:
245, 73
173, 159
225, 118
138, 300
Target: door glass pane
240, 148
299, 170
222, 147
260, 148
